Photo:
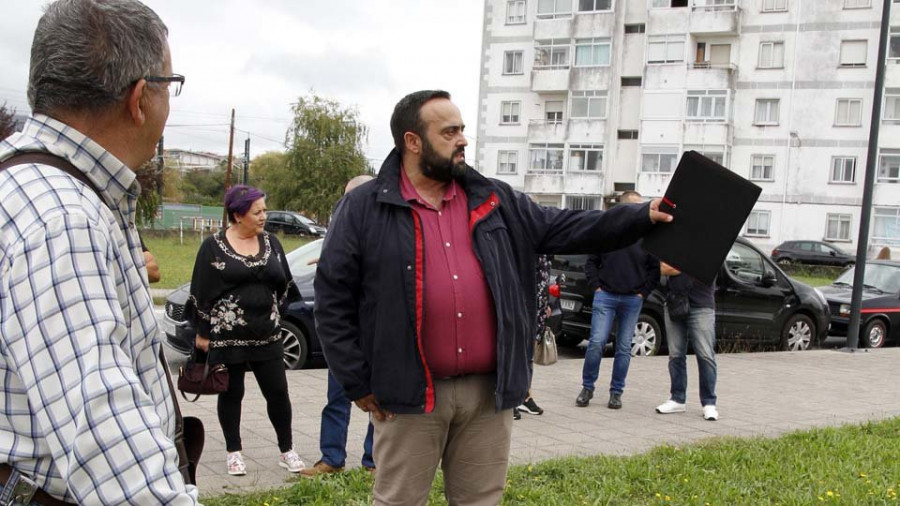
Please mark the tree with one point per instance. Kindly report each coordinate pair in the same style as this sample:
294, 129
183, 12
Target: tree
262, 167
7, 121
204, 187
324, 152
148, 200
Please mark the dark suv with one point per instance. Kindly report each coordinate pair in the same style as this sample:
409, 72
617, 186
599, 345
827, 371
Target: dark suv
810, 252
756, 302
289, 222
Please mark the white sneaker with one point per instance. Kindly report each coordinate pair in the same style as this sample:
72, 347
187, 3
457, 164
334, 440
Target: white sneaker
291, 461
710, 412
235, 463
670, 406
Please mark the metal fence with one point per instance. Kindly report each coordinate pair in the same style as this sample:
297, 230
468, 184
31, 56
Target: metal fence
188, 217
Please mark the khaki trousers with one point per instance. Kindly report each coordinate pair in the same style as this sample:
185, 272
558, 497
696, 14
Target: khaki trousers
464, 434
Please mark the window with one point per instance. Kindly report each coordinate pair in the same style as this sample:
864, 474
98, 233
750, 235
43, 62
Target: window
635, 28
631, 81
628, 134
665, 49
591, 52
668, 3
886, 225
587, 157
891, 107
843, 169
588, 104
762, 167
552, 54
554, 8
512, 62
894, 43
838, 227
889, 169
771, 55
758, 223
848, 112
857, 4
659, 159
766, 111
585, 203
774, 5
553, 111
744, 263
546, 158
594, 5
507, 162
853, 53
515, 12
509, 113
706, 105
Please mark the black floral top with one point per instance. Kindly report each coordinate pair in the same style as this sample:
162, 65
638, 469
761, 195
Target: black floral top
543, 292
236, 301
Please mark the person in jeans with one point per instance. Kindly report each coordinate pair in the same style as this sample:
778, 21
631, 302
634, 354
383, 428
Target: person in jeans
698, 326
621, 280
336, 413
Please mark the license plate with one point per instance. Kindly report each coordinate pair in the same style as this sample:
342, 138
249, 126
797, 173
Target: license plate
567, 305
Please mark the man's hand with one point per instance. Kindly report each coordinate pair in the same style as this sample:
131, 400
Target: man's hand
370, 405
201, 343
656, 215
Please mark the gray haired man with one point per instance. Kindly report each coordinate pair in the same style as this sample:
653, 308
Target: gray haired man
88, 413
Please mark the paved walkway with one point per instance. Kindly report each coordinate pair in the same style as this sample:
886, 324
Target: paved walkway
763, 394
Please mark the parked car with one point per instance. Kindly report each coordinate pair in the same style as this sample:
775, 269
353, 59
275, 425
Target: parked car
756, 302
298, 328
811, 252
289, 222
880, 310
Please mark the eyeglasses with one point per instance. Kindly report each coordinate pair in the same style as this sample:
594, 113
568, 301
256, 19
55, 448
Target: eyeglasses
176, 81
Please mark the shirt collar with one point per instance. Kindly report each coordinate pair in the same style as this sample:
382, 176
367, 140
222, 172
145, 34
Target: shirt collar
410, 194
103, 169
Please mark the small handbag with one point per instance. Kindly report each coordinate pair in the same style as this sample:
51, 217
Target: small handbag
199, 378
545, 348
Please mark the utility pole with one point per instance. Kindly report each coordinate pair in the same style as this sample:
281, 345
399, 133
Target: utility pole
160, 165
246, 160
228, 168
859, 274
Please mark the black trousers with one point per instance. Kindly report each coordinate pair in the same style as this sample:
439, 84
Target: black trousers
273, 384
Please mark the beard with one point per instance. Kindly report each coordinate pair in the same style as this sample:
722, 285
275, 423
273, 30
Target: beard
438, 168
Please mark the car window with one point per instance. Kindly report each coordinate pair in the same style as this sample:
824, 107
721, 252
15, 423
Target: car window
304, 220
273, 216
805, 246
744, 263
299, 259
881, 276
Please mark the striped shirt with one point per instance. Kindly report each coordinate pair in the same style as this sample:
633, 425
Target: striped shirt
85, 407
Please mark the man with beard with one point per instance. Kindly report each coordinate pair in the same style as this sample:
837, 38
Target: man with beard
424, 303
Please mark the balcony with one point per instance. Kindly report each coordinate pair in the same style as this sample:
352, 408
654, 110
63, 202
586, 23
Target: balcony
544, 182
549, 79
553, 28
586, 131
710, 76
892, 73
653, 184
707, 132
594, 24
714, 19
668, 21
590, 78
547, 131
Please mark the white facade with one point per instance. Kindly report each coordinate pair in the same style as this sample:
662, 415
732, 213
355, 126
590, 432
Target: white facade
581, 99
187, 161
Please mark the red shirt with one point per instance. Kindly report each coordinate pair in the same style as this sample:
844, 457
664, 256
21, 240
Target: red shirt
459, 325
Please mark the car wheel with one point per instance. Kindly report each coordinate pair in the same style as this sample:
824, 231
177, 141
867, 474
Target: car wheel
784, 261
799, 333
296, 346
647, 337
874, 334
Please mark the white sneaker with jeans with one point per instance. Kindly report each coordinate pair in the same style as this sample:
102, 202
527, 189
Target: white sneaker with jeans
291, 461
671, 406
235, 463
710, 412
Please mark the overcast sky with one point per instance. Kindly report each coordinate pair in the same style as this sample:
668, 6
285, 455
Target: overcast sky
258, 56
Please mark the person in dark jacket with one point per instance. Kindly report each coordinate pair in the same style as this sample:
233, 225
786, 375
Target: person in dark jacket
621, 280
425, 303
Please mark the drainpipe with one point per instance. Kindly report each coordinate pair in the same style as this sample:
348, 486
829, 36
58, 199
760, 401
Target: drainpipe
791, 133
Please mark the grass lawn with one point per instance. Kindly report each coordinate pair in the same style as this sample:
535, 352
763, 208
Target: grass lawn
813, 281
176, 260
854, 464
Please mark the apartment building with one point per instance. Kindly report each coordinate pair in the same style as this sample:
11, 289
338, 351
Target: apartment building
583, 99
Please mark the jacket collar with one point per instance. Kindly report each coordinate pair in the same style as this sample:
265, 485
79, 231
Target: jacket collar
477, 187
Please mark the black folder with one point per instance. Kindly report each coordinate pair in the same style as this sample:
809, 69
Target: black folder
709, 204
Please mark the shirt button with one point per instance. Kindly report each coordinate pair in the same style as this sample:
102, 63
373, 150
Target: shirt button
455, 276
459, 315
460, 350
447, 244
409, 267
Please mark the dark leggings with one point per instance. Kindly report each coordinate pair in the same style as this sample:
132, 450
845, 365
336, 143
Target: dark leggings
273, 384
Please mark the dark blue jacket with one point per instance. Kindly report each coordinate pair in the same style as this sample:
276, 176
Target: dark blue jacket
369, 282
628, 271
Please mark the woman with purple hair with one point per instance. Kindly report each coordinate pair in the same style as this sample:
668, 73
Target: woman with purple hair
240, 286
